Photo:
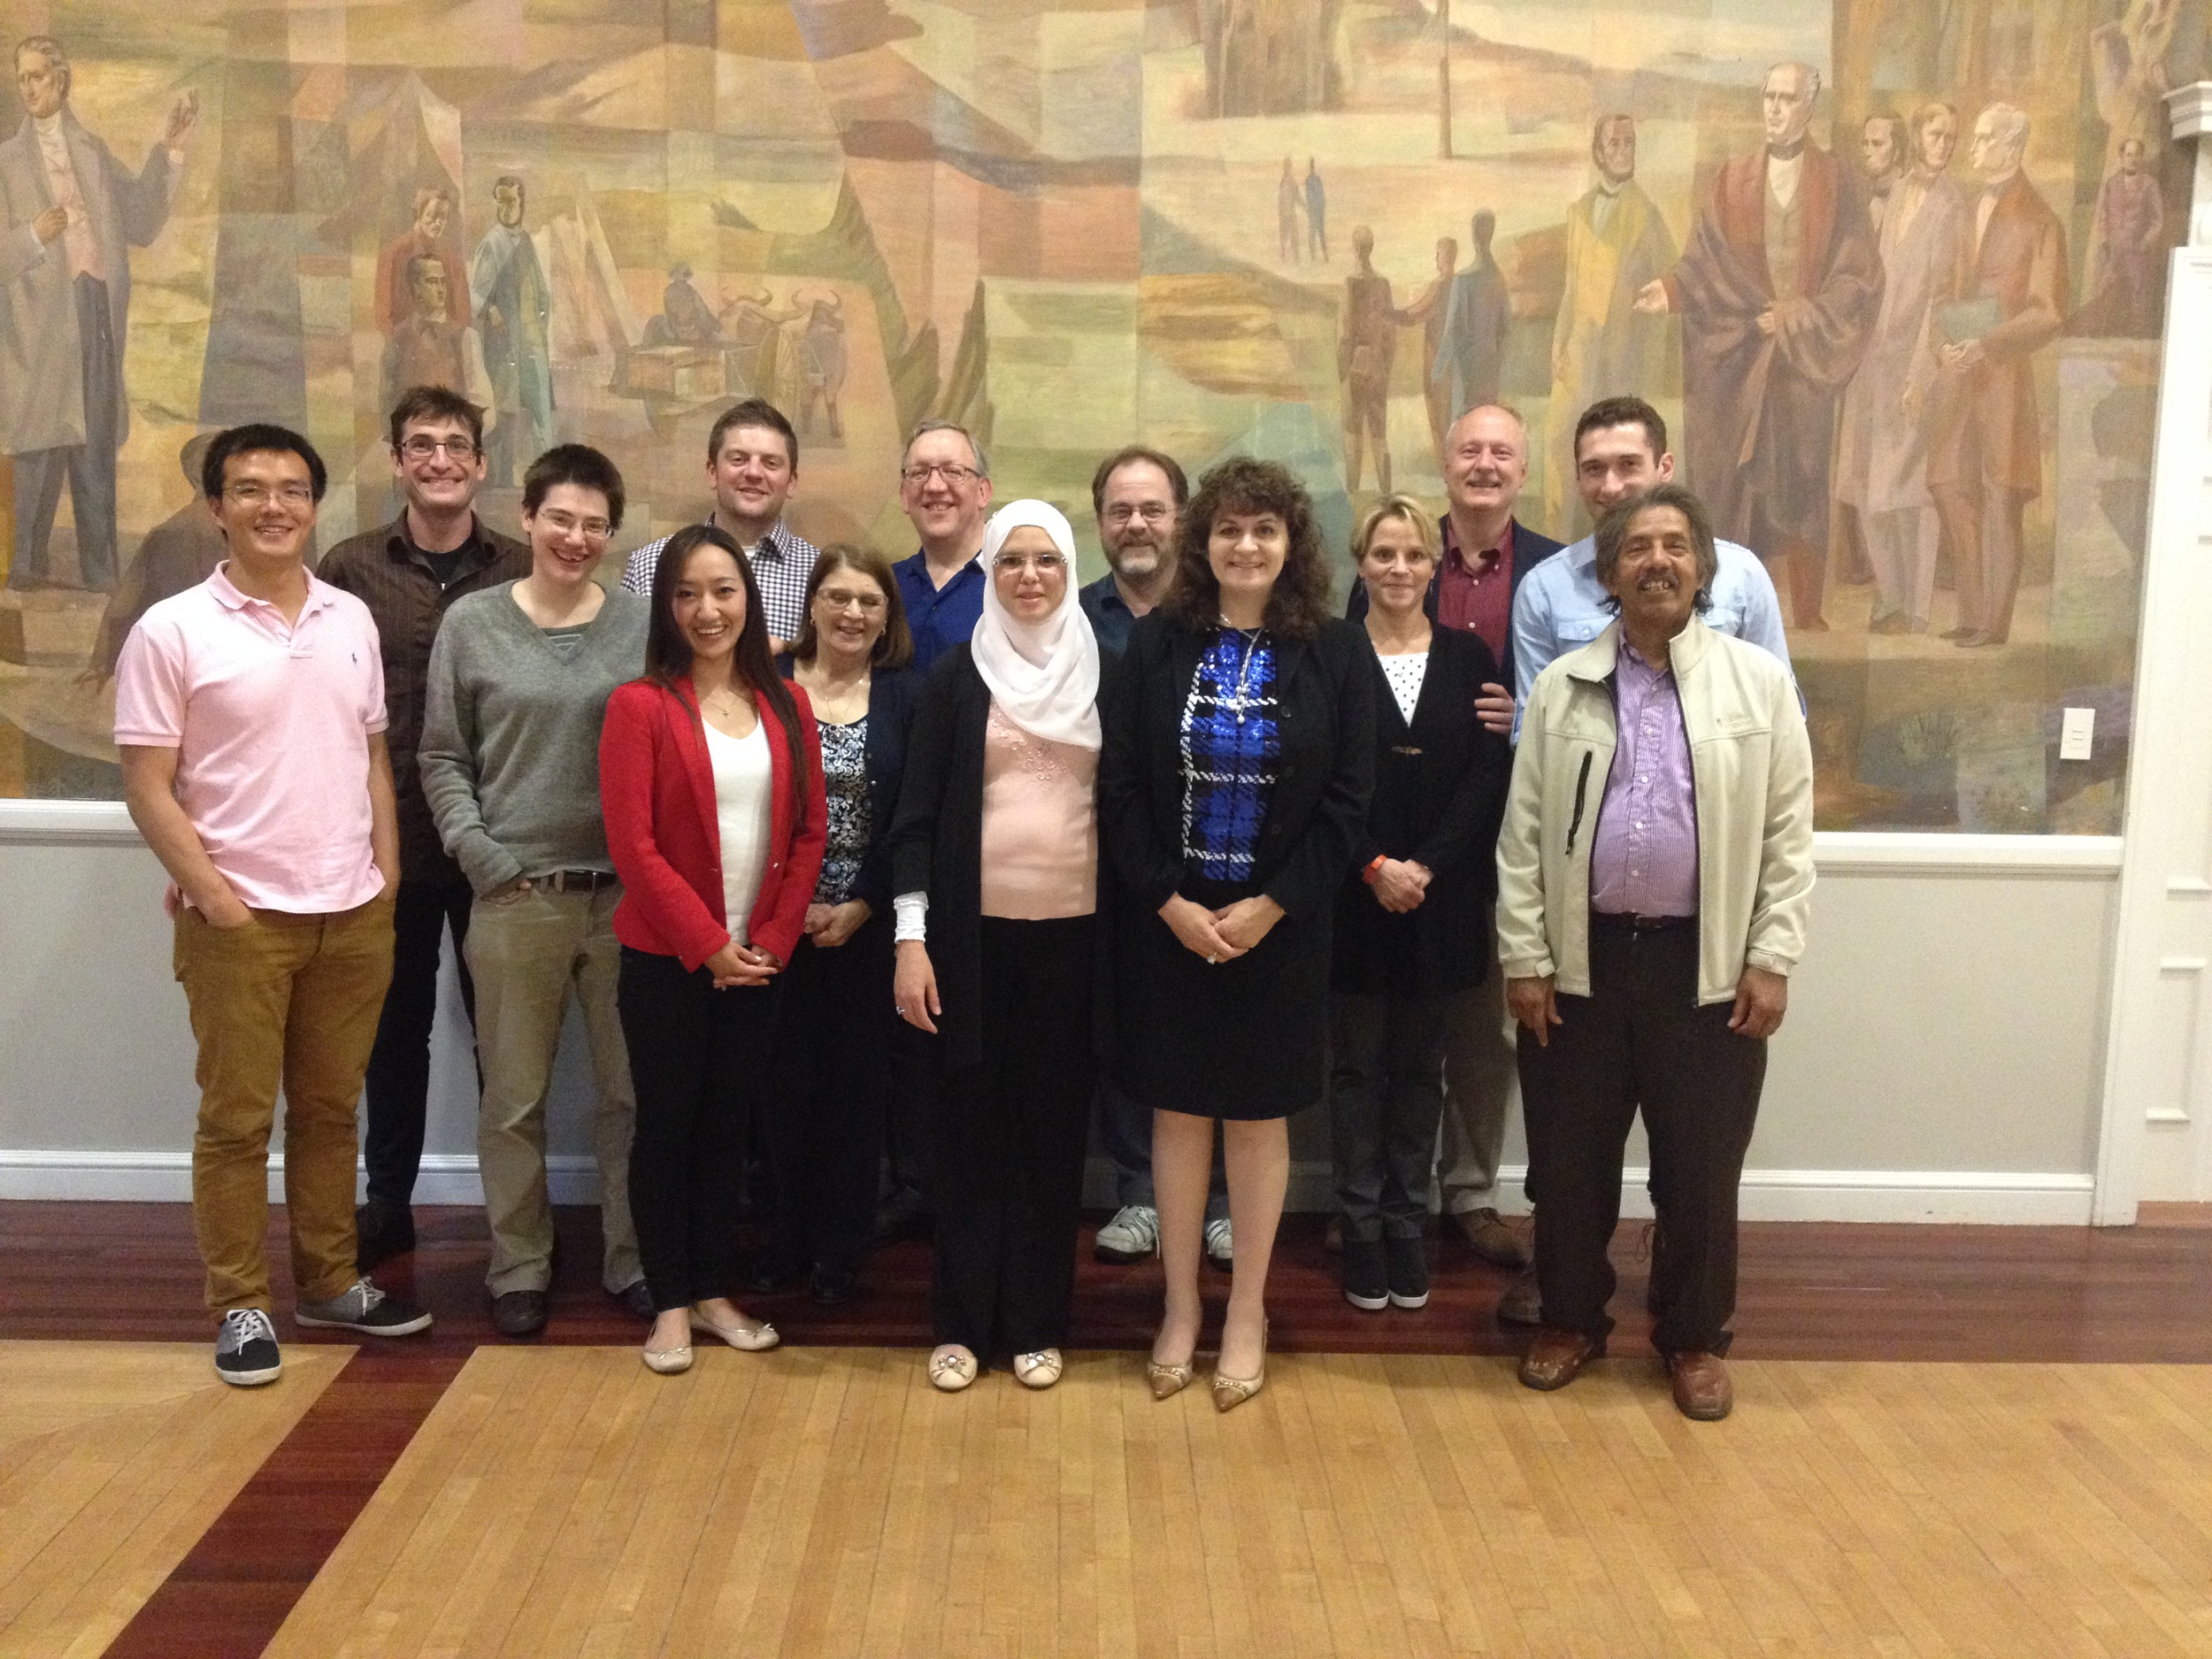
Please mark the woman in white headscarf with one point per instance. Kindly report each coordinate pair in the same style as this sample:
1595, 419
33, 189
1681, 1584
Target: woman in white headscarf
994, 866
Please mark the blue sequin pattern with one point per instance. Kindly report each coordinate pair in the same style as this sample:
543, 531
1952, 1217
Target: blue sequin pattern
1231, 744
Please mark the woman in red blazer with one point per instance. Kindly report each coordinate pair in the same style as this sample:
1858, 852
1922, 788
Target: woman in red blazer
711, 780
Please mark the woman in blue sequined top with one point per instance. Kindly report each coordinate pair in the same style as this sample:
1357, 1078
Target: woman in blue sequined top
1233, 788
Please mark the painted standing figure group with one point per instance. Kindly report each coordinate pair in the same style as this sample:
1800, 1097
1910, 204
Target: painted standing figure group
854, 868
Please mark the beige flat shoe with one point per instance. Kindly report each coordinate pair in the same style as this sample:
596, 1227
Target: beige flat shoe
1169, 1381
951, 1369
752, 1336
667, 1361
1040, 1370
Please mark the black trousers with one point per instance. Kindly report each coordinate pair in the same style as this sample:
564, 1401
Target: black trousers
1385, 1100
1012, 1135
1639, 1035
823, 1122
697, 1060
399, 1065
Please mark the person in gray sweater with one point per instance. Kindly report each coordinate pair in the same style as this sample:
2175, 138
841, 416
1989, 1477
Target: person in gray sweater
520, 678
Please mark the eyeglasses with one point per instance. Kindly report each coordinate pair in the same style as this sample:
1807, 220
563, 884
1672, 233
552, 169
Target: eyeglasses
258, 496
420, 448
1153, 511
837, 599
953, 474
568, 524
1043, 563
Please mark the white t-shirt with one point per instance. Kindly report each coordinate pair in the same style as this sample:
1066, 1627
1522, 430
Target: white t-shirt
743, 780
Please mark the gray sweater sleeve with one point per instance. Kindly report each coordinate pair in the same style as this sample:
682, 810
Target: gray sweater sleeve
447, 760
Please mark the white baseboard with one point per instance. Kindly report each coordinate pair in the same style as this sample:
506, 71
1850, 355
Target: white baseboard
166, 1178
1986, 1197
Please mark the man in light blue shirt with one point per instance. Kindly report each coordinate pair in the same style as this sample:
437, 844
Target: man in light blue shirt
1620, 448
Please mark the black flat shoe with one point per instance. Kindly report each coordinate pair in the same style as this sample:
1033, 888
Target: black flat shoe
637, 1299
379, 1234
769, 1277
834, 1287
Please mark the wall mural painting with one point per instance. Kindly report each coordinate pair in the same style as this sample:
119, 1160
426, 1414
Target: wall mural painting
1892, 271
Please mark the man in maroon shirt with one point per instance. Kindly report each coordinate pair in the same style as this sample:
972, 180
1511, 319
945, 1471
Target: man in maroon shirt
1487, 553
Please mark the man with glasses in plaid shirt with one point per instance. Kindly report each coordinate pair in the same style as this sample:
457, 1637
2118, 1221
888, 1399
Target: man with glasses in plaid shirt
409, 573
753, 467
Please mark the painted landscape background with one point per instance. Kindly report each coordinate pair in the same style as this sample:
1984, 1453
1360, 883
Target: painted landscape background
1069, 226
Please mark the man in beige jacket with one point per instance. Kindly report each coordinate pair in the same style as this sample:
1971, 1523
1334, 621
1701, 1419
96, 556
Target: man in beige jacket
1654, 877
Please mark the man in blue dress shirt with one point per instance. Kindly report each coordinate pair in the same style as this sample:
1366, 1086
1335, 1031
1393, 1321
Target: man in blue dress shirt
945, 488
1620, 448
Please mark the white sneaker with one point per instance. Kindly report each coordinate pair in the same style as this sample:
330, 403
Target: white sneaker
1221, 1249
1132, 1235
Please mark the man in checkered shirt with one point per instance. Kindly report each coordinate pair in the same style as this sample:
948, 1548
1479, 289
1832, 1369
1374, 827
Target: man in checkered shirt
752, 466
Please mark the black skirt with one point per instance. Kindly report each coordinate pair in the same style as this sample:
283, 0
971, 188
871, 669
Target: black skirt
1244, 1039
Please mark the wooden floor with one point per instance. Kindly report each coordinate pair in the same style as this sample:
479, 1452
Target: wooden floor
828, 1502
1888, 1493
114, 1460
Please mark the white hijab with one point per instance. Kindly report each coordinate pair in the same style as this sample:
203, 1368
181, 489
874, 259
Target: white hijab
1044, 675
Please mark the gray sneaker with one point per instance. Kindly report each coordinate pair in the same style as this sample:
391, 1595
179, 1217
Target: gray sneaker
1132, 1235
364, 1309
246, 1349
1221, 1247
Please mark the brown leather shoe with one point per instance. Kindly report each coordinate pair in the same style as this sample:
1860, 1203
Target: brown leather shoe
1557, 1357
1523, 1303
1701, 1389
1492, 1237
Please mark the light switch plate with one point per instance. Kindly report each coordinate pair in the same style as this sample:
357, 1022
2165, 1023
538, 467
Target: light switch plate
2076, 728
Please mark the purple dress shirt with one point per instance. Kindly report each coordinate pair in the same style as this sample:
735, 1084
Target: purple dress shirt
1643, 858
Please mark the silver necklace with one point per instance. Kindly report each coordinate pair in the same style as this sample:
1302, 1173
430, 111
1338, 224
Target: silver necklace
1244, 669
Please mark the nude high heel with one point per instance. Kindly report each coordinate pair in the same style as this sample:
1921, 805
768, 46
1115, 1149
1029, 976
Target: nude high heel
1231, 1391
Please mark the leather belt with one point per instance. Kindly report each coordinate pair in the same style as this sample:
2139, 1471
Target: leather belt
1621, 922
574, 880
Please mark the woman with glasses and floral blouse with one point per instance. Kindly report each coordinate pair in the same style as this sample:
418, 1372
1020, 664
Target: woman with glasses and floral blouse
518, 683
823, 1126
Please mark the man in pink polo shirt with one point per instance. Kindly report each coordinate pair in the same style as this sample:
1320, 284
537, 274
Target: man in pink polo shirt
250, 714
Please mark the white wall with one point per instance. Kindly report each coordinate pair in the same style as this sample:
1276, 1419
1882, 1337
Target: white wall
1942, 1060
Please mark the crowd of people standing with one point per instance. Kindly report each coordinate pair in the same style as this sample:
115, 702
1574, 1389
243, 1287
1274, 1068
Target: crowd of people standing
1183, 851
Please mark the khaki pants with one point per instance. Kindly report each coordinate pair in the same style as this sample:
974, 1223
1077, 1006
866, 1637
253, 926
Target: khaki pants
290, 1000
1479, 1086
528, 955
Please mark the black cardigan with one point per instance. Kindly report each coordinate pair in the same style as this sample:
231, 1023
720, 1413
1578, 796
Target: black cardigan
937, 842
1324, 693
891, 698
1439, 795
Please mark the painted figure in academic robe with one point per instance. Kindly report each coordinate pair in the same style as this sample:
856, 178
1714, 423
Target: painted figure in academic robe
1882, 450
1601, 346
1776, 291
513, 323
2127, 254
1985, 428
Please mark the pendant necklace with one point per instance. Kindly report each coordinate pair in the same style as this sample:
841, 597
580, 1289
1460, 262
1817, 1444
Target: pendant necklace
1245, 668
